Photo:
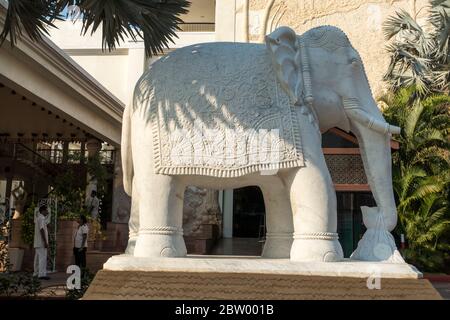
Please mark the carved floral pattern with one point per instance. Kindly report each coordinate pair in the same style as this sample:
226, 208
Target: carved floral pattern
230, 90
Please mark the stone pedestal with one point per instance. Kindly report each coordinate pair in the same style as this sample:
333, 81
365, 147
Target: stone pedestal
204, 240
64, 240
220, 277
15, 258
16, 234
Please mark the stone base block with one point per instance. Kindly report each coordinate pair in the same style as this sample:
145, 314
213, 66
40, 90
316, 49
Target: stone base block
194, 277
199, 246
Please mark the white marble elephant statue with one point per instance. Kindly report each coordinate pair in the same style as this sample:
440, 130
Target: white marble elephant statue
229, 115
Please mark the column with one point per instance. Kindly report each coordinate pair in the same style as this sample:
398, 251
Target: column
225, 20
228, 213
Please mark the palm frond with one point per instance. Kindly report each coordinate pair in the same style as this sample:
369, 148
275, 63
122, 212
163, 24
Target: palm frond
425, 189
31, 17
155, 22
420, 56
400, 22
412, 119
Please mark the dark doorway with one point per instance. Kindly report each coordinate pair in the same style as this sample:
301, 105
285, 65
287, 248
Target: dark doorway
248, 213
350, 225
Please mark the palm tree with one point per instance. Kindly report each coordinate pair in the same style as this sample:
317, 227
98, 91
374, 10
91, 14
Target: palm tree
419, 56
426, 128
426, 227
154, 21
421, 174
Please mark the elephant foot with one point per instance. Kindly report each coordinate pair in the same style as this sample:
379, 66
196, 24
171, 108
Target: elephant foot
160, 242
319, 247
277, 245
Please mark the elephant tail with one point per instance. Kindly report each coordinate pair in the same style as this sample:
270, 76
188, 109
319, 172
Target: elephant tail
126, 152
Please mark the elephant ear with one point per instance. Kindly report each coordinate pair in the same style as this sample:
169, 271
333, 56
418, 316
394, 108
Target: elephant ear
285, 55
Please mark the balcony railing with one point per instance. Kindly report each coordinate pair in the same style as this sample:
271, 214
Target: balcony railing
74, 156
197, 27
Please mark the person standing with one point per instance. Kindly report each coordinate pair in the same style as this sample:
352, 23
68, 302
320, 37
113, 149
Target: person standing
41, 243
80, 243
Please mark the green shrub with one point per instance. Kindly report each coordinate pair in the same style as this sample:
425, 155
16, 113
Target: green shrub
28, 225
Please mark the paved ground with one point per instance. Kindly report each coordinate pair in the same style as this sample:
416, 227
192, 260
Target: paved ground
55, 288
443, 288
238, 247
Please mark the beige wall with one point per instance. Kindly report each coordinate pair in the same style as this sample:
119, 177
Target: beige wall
119, 70
361, 20
109, 69
200, 11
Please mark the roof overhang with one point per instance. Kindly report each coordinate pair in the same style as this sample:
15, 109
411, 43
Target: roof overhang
43, 73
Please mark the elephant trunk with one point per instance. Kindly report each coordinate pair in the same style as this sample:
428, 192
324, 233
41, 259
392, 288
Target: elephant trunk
373, 134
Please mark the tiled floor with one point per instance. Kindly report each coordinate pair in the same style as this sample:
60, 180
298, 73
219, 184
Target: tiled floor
238, 247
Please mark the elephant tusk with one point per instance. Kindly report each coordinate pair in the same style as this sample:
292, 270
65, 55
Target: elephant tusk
372, 123
356, 113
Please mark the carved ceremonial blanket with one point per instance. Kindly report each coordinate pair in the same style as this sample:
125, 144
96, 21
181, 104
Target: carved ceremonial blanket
218, 110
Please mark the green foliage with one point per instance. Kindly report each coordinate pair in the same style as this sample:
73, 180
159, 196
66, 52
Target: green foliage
154, 21
425, 124
27, 231
421, 174
420, 56
98, 172
19, 284
86, 279
15, 284
71, 192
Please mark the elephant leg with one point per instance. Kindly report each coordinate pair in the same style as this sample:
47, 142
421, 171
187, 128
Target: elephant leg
313, 203
278, 222
160, 217
133, 224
